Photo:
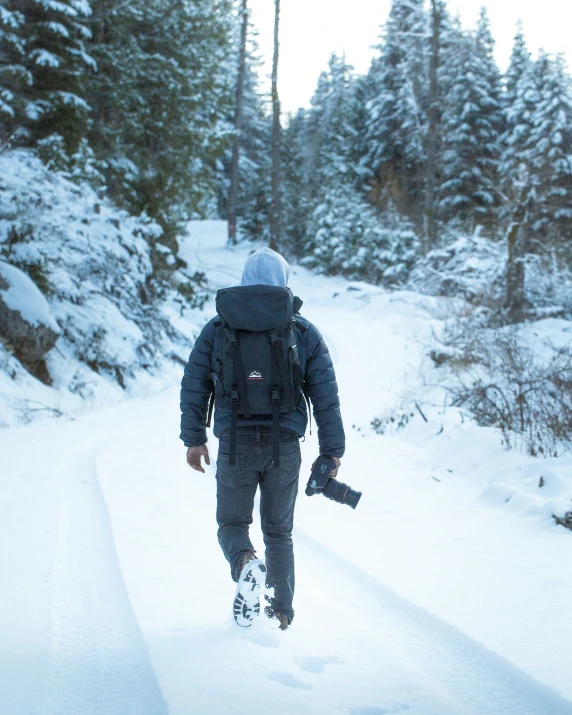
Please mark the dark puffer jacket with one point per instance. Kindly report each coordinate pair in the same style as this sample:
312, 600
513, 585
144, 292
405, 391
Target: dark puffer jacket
319, 379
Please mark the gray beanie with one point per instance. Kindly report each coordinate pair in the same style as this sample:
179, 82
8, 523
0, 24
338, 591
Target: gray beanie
265, 267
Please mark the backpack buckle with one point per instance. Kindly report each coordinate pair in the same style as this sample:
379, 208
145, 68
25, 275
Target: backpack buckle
232, 339
275, 395
234, 396
274, 339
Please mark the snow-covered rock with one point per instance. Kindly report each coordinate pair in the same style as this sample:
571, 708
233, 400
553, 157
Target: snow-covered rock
26, 323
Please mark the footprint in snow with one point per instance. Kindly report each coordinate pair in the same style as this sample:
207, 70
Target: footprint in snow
291, 681
316, 663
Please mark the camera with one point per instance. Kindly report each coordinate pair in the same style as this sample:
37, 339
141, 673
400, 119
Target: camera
320, 482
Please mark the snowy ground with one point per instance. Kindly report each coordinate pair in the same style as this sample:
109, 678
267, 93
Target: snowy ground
447, 591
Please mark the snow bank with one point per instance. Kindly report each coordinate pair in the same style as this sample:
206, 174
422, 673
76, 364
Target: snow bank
87, 269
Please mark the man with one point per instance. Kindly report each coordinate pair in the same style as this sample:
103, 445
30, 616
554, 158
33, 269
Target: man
257, 456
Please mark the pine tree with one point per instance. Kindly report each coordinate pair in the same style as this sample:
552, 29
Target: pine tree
518, 65
520, 99
333, 125
238, 120
52, 35
550, 150
536, 166
161, 101
298, 183
254, 194
14, 76
397, 108
473, 124
351, 240
276, 171
320, 151
433, 138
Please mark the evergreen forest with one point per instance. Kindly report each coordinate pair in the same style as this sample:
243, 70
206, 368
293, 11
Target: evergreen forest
139, 100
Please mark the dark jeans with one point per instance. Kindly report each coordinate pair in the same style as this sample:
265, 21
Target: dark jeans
236, 488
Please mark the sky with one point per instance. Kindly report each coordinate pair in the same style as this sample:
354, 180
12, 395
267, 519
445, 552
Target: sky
312, 29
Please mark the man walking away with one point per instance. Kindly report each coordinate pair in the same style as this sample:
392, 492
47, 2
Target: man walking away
258, 360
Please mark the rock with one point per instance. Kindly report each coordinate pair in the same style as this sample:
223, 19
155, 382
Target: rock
26, 324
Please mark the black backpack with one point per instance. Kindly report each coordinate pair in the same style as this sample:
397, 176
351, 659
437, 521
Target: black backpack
258, 371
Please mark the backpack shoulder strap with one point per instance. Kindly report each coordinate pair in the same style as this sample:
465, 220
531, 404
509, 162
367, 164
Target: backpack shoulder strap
239, 395
280, 382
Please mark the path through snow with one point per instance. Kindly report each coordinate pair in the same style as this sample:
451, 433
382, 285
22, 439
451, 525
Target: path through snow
425, 600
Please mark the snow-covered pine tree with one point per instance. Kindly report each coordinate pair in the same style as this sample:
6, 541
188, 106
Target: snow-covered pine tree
234, 173
330, 138
344, 233
14, 76
439, 29
297, 182
48, 46
276, 223
350, 239
319, 151
519, 101
519, 205
395, 128
472, 127
536, 166
333, 125
519, 64
550, 152
254, 192
161, 101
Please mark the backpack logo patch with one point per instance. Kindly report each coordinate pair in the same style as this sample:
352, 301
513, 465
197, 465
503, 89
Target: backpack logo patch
255, 375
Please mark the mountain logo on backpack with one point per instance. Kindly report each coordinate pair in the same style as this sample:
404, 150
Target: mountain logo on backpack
255, 375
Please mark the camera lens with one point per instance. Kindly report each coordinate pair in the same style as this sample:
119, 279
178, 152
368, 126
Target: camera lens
342, 493
352, 498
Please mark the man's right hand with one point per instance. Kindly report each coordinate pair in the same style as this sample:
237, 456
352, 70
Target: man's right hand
194, 455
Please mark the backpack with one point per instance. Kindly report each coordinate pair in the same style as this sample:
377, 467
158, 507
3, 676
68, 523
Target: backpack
257, 372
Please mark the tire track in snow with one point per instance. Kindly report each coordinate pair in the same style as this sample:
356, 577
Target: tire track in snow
99, 663
479, 680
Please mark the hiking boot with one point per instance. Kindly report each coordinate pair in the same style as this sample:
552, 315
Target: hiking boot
248, 556
281, 617
246, 604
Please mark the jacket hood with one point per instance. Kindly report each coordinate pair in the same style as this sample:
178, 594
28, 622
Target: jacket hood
266, 267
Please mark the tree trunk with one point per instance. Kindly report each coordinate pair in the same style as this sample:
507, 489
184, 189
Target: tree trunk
276, 137
517, 242
234, 167
433, 129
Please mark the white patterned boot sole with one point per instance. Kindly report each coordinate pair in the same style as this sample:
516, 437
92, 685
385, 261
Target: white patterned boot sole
246, 606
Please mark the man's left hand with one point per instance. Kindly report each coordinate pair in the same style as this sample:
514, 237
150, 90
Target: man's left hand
334, 472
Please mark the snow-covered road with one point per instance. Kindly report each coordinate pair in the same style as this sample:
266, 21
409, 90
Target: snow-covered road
429, 599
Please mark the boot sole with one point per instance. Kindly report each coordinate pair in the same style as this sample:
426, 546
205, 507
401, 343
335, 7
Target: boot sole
246, 606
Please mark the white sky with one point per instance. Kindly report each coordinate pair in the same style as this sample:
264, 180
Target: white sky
312, 29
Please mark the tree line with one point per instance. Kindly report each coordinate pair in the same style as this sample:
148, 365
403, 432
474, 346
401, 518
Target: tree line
431, 142
134, 95
160, 103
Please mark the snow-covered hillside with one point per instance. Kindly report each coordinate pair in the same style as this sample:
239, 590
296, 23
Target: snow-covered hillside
446, 591
99, 272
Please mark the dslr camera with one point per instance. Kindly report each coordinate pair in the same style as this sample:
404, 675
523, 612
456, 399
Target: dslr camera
320, 482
